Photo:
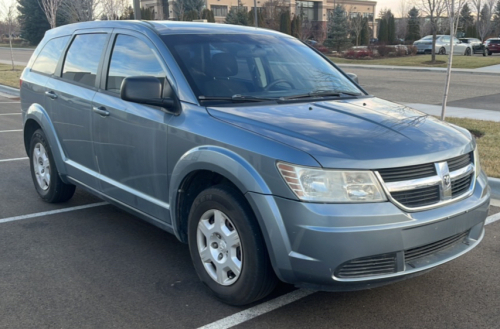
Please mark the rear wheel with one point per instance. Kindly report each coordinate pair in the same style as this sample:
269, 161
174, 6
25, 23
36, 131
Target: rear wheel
44, 173
467, 52
442, 51
227, 247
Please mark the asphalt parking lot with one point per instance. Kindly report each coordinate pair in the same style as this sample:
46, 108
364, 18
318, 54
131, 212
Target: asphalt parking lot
86, 264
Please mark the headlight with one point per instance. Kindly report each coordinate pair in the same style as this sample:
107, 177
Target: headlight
476, 161
339, 186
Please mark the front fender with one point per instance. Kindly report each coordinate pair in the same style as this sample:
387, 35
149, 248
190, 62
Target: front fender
39, 115
247, 179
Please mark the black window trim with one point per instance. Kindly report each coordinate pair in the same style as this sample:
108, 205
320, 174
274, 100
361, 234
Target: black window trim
62, 60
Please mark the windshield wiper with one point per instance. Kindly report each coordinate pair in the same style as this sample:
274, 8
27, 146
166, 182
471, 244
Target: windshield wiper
236, 98
322, 93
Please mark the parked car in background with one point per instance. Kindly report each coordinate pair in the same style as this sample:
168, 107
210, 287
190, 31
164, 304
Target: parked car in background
474, 43
491, 46
255, 150
443, 46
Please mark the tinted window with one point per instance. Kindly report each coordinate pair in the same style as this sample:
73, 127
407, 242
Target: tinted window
46, 61
131, 57
83, 58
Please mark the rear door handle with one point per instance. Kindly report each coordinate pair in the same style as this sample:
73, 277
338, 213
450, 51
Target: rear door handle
51, 94
101, 111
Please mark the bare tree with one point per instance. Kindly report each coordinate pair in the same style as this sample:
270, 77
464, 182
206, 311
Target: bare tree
113, 9
356, 26
50, 8
484, 23
81, 10
10, 13
453, 8
433, 9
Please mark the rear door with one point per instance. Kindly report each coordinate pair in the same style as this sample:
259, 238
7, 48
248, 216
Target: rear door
71, 93
130, 139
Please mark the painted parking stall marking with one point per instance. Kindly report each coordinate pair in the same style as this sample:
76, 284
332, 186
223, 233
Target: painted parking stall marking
10, 131
14, 159
52, 212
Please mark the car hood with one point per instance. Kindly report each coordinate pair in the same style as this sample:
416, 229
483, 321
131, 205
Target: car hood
363, 133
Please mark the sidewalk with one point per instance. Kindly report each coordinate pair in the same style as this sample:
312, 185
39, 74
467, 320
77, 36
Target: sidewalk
487, 70
457, 112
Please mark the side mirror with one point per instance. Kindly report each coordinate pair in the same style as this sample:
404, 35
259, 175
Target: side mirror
146, 90
353, 77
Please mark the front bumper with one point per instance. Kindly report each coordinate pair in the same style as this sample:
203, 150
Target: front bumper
320, 241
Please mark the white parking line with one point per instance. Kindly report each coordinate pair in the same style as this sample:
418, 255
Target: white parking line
9, 131
51, 212
10, 102
14, 159
257, 310
10, 113
276, 303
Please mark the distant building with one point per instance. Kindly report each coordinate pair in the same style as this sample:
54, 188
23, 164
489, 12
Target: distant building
315, 11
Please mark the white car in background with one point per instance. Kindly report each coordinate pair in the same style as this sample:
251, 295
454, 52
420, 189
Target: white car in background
443, 45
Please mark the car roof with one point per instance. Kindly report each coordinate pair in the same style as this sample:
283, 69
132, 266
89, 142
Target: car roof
162, 27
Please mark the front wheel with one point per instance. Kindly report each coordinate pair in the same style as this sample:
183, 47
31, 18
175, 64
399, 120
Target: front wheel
45, 176
467, 52
227, 247
442, 51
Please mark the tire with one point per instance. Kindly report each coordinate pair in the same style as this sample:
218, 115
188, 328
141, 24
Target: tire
486, 52
442, 51
490, 53
467, 52
48, 184
223, 229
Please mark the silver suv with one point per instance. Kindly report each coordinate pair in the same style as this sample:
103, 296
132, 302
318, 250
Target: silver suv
253, 148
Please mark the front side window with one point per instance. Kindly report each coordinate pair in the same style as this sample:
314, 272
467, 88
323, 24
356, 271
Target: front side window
131, 57
270, 66
48, 58
82, 58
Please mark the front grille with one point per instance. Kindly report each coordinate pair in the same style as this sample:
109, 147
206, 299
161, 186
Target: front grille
407, 173
460, 186
431, 248
418, 197
459, 162
368, 266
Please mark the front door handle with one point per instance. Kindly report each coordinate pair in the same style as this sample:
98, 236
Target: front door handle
51, 94
101, 111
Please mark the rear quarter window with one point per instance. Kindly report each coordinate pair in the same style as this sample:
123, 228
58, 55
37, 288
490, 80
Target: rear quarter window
47, 60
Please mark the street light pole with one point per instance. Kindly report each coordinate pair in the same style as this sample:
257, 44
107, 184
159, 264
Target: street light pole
137, 9
255, 13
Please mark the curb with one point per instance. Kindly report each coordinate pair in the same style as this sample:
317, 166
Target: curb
495, 187
9, 91
414, 69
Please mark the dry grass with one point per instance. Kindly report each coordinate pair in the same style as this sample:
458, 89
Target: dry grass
489, 142
459, 62
8, 77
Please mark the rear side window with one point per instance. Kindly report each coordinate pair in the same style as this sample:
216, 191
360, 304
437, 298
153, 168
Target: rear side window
48, 58
131, 57
82, 58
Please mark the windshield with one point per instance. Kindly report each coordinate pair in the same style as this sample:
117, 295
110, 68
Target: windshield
254, 66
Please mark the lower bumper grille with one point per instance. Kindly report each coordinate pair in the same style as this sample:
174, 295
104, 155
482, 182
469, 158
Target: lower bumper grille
431, 248
368, 266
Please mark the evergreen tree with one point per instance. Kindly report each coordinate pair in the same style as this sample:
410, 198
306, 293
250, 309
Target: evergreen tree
237, 16
413, 33
33, 21
465, 20
147, 14
191, 15
391, 28
251, 18
296, 26
365, 33
285, 23
496, 18
338, 28
383, 33
208, 15
128, 13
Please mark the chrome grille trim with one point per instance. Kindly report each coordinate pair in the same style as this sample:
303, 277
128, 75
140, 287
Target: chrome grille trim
437, 180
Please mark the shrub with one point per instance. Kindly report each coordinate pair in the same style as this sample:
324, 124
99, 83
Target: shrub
383, 50
322, 49
412, 50
363, 54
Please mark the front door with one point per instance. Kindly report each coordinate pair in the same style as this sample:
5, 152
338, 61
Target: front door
130, 140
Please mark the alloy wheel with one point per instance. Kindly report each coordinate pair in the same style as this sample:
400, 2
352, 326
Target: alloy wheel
41, 166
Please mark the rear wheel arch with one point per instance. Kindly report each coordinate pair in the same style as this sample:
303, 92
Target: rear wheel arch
30, 126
